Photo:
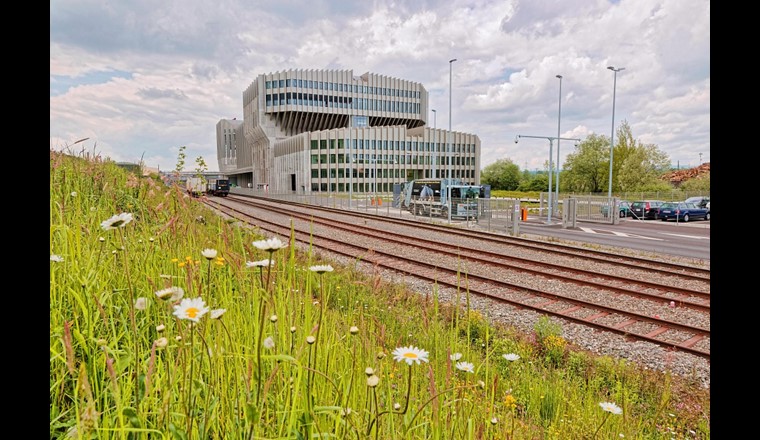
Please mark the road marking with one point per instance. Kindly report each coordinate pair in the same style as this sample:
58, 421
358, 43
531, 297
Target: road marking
623, 234
619, 234
687, 236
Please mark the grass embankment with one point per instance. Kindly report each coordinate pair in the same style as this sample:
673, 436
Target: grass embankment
167, 321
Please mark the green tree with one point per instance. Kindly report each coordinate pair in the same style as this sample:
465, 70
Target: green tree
700, 183
587, 168
180, 160
637, 166
501, 175
200, 168
642, 168
534, 182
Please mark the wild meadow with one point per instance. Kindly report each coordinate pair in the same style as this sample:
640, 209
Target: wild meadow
168, 321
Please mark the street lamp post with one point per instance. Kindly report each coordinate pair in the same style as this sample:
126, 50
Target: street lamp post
559, 118
551, 139
434, 144
612, 135
448, 146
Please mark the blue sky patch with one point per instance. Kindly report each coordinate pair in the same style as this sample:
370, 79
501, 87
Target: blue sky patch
60, 84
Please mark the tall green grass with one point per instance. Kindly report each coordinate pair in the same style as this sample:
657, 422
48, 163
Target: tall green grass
292, 349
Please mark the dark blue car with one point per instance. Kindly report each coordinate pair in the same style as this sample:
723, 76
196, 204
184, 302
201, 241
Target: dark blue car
682, 212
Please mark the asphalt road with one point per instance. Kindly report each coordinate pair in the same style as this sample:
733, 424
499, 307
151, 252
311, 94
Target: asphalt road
690, 239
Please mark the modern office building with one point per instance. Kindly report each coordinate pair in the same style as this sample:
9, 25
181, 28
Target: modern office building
229, 141
330, 131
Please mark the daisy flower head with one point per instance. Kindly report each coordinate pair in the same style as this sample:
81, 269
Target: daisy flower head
217, 313
270, 244
192, 309
372, 381
56, 258
209, 254
311, 339
321, 269
273, 318
455, 356
171, 293
611, 407
141, 303
162, 342
410, 354
511, 357
466, 367
73, 193
117, 221
369, 371
262, 263
397, 406
354, 330
269, 343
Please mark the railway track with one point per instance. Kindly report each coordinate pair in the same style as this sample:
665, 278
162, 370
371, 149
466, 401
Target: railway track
560, 281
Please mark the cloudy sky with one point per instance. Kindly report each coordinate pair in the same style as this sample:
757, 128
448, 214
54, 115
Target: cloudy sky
140, 78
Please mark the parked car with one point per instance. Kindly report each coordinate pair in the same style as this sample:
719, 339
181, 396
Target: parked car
645, 209
682, 211
700, 201
624, 209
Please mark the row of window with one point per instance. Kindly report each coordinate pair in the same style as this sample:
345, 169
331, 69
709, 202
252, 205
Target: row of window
330, 101
369, 173
390, 159
340, 87
374, 144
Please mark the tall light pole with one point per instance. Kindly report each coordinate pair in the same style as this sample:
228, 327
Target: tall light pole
551, 168
435, 113
559, 117
612, 135
448, 144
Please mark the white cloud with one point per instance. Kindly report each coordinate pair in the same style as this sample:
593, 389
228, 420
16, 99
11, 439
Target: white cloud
141, 78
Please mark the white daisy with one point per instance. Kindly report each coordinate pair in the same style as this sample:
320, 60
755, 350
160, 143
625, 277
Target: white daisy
117, 221
262, 263
56, 258
354, 330
321, 269
465, 366
268, 343
611, 407
217, 313
511, 357
162, 342
271, 244
171, 293
311, 339
192, 309
455, 356
209, 254
410, 354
